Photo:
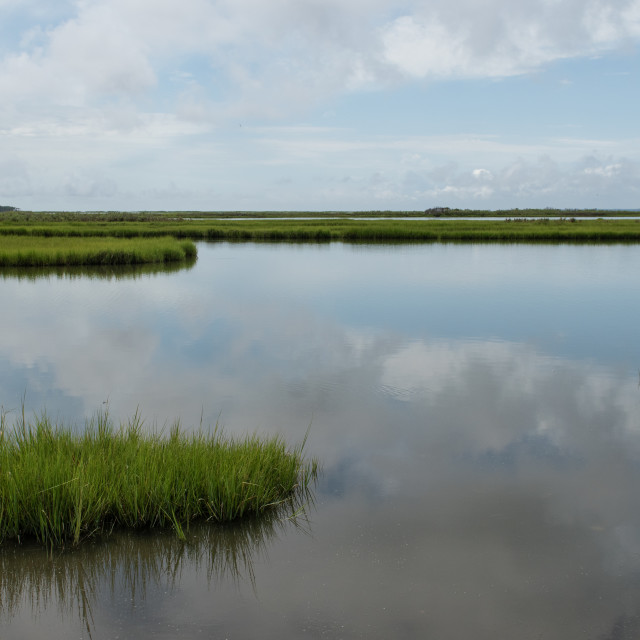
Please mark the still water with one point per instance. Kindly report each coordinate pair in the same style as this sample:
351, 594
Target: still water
476, 409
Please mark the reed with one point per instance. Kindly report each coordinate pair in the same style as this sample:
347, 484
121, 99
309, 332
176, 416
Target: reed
40, 250
60, 486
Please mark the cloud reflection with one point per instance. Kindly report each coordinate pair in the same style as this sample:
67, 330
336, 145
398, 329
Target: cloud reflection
476, 484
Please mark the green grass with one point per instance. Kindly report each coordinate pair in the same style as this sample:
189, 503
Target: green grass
112, 227
60, 486
419, 231
36, 250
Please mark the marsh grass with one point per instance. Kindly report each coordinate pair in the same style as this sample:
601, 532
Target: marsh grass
330, 229
40, 250
60, 486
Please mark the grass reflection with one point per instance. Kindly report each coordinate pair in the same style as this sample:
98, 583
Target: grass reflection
97, 272
130, 565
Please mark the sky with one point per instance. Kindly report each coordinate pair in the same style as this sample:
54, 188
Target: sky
250, 105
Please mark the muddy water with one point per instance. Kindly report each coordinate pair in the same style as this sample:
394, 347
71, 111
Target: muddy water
476, 408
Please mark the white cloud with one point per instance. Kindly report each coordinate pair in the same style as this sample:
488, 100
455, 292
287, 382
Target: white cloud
95, 84
482, 174
292, 49
421, 50
607, 171
589, 181
498, 38
91, 56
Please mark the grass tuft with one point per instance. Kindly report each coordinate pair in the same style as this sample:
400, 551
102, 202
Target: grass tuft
61, 486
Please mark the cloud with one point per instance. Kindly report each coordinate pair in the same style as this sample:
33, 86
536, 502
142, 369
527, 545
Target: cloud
85, 186
584, 182
14, 177
332, 168
498, 39
101, 85
85, 58
299, 52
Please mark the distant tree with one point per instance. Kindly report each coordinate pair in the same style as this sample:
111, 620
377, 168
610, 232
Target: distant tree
7, 208
437, 211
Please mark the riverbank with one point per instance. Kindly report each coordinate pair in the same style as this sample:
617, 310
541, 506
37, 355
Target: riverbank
59, 485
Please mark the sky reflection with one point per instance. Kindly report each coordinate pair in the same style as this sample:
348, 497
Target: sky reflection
481, 458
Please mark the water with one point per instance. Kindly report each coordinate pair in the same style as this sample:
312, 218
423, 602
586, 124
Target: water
476, 408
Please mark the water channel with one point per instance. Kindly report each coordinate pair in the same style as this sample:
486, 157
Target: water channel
476, 408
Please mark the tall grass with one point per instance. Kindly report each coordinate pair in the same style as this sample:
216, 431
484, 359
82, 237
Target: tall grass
33, 250
337, 229
60, 486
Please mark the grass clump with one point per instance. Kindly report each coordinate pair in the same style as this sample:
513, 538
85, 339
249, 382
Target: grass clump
43, 251
61, 486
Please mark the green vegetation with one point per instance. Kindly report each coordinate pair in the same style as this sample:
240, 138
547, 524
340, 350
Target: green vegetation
39, 250
414, 231
343, 230
60, 486
113, 228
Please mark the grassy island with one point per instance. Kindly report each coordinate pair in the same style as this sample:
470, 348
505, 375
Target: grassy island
60, 486
49, 250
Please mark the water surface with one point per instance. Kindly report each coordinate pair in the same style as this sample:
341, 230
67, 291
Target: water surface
476, 408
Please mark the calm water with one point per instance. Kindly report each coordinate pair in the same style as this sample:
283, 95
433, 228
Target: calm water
476, 408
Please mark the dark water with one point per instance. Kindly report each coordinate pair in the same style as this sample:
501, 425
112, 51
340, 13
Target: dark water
476, 408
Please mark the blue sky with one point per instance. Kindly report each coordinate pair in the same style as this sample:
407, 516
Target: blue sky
319, 104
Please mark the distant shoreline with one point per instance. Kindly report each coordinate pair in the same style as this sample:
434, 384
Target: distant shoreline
433, 212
